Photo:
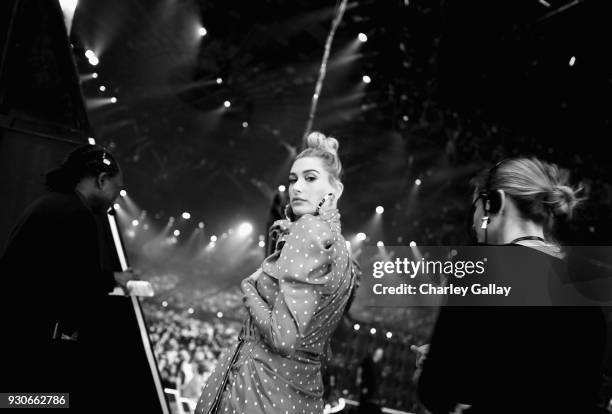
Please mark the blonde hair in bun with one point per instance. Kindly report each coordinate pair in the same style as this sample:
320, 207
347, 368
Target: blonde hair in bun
540, 190
325, 148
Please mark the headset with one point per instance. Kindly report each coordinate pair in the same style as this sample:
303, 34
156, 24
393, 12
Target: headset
490, 198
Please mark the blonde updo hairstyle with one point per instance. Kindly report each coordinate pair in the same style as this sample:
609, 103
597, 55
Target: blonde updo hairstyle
541, 191
326, 149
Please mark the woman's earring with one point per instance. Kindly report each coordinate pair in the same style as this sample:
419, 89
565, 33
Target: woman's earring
288, 212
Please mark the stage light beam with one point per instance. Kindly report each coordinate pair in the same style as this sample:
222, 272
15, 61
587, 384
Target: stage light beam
362, 37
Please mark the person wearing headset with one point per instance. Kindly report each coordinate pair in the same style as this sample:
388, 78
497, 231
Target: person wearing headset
516, 359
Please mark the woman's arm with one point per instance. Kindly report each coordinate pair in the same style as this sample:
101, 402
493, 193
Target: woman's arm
301, 268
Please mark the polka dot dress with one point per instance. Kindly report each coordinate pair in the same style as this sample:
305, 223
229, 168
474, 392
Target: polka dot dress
294, 307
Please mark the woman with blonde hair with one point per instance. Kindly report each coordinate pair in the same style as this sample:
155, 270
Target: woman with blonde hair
294, 300
536, 359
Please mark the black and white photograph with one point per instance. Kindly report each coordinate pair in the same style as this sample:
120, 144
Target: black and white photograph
306, 207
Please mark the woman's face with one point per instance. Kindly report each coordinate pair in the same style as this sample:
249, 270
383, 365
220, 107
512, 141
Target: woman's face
308, 184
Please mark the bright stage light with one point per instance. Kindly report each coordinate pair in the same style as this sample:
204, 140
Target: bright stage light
186, 215
164, 304
213, 238
94, 75
362, 37
245, 124
190, 310
380, 244
361, 236
116, 206
245, 229
262, 243
68, 6
572, 61
356, 327
373, 331
405, 118
91, 141
366, 79
389, 335
102, 88
219, 81
135, 222
113, 100
412, 244
202, 31
90, 54
418, 181
227, 104
219, 315
177, 233
282, 188
380, 210
201, 225
122, 193
93, 61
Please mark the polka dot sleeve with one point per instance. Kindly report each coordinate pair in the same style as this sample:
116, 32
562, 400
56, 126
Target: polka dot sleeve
302, 267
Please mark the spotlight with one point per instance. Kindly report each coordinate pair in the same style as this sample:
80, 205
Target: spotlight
389, 335
262, 243
164, 304
201, 225
94, 75
202, 31
380, 244
177, 233
102, 88
356, 327
418, 181
186, 215
380, 210
213, 238
116, 206
362, 37
281, 188
113, 100
90, 54
134, 222
405, 118
93, 61
572, 61
190, 310
122, 193
227, 104
245, 124
245, 229
361, 236
219, 81
219, 315
91, 141
412, 244
373, 331
366, 79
